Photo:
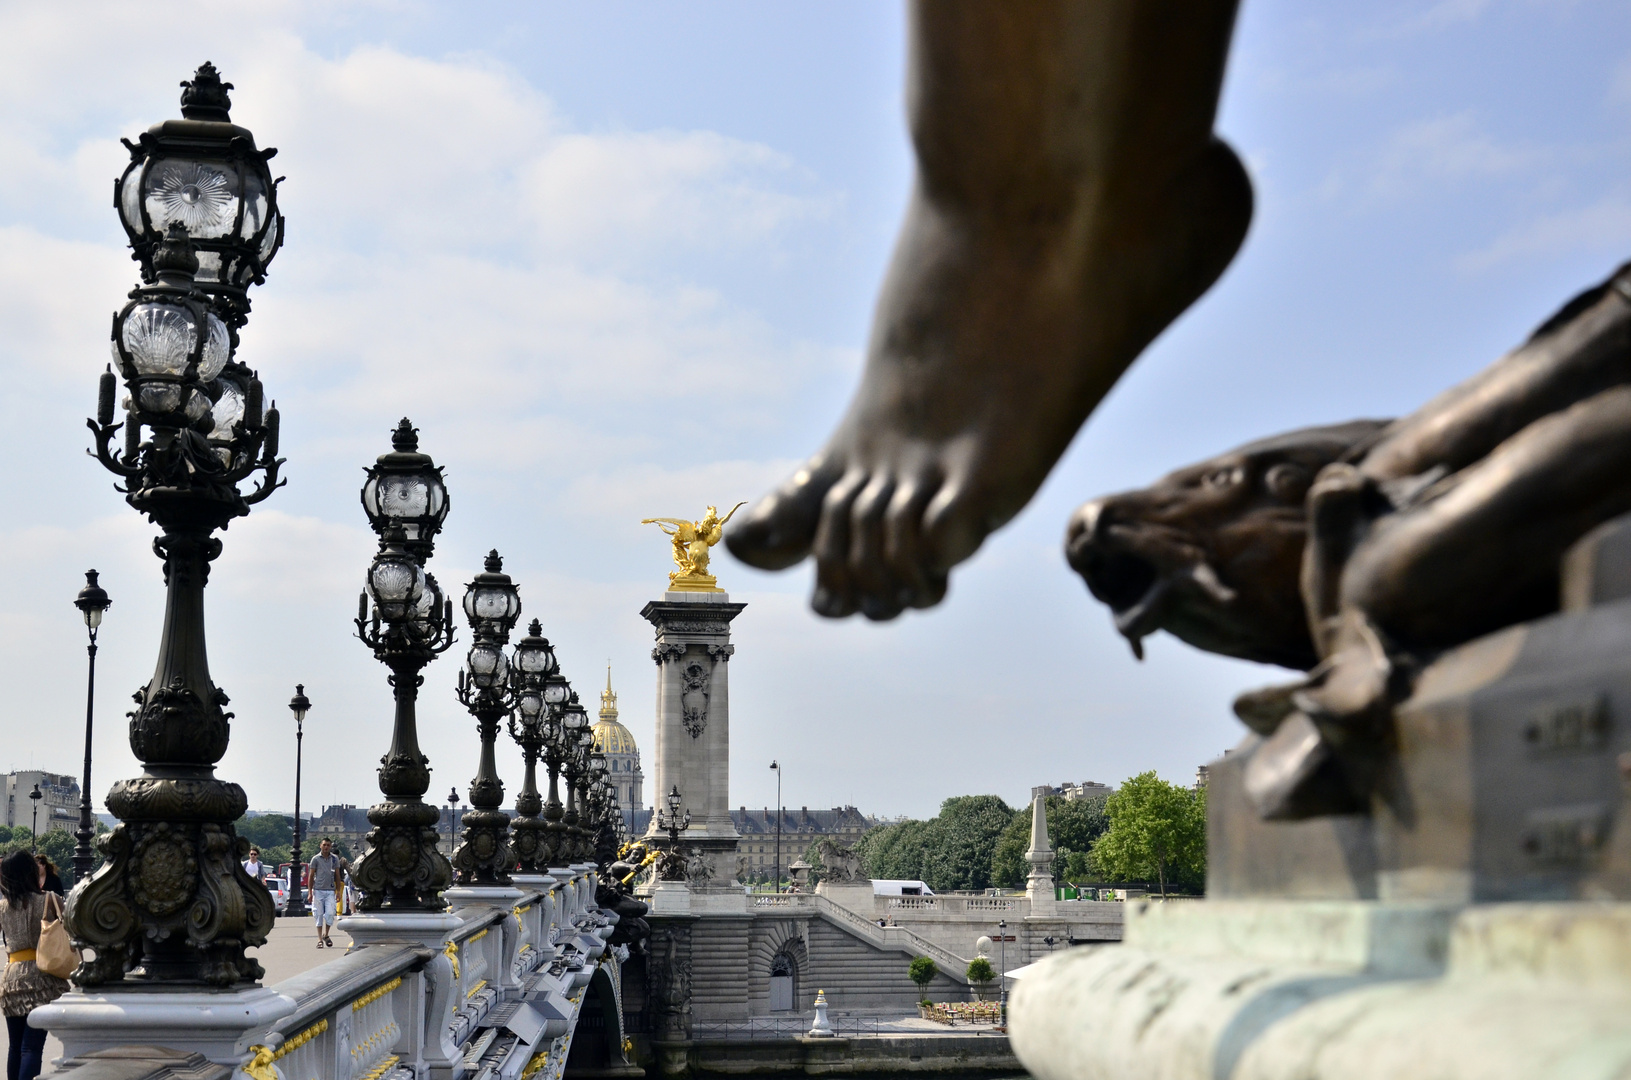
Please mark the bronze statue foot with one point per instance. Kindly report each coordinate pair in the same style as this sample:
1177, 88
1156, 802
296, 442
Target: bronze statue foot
1060, 220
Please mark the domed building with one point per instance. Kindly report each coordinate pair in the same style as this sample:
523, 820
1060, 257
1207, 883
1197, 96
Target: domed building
622, 756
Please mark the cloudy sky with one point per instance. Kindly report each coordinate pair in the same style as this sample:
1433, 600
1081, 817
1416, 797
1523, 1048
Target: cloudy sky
618, 260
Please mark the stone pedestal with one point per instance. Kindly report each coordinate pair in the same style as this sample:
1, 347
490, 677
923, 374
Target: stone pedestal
693, 654
1321, 990
219, 1025
668, 898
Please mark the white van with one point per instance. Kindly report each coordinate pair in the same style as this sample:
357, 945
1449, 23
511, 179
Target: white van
900, 887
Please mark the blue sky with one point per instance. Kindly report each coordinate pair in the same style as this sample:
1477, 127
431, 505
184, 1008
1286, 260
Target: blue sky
618, 260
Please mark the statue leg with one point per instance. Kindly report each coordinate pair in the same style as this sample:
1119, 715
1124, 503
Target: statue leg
1071, 201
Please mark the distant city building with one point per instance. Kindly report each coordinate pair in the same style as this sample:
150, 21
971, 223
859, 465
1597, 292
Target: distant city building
59, 802
1087, 789
622, 756
800, 828
345, 823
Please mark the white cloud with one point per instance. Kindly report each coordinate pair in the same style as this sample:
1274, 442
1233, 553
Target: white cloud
1443, 151
1602, 226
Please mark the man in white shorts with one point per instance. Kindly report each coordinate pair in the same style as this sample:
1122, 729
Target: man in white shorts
323, 874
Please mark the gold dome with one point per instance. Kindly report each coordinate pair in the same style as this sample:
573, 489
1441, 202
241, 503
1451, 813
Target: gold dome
613, 738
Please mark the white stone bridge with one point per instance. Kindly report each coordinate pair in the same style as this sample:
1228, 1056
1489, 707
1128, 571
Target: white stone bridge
508, 984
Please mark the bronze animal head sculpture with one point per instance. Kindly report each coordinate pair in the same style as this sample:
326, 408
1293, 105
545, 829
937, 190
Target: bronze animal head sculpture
1210, 553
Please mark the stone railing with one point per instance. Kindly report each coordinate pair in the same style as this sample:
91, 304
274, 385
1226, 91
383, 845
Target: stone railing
418, 996
1015, 907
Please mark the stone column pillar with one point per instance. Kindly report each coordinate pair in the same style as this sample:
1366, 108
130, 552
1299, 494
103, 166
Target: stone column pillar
668, 993
1039, 886
693, 725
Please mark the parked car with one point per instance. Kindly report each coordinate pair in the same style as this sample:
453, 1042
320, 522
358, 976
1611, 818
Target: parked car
280, 893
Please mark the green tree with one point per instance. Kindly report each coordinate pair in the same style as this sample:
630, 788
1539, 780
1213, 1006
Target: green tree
980, 973
922, 972
1157, 830
1073, 826
949, 852
967, 831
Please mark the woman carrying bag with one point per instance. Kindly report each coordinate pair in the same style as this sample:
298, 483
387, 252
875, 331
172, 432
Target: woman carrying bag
23, 986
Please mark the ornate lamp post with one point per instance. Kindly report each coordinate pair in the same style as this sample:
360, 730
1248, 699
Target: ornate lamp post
535, 665
492, 603
34, 830
672, 865
557, 691
575, 738
172, 904
92, 601
775, 765
408, 626
299, 705
452, 816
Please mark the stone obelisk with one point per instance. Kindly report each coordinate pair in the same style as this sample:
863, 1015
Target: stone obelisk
693, 651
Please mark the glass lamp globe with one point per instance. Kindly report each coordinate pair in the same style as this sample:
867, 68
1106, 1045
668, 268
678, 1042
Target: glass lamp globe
405, 488
488, 666
534, 659
203, 173
396, 584
492, 598
530, 706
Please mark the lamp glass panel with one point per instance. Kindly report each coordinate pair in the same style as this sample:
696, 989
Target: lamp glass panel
159, 338
161, 397
532, 659
209, 267
492, 602
201, 195
130, 199
93, 617
217, 349
198, 405
555, 693
531, 706
401, 498
227, 411
255, 205
397, 583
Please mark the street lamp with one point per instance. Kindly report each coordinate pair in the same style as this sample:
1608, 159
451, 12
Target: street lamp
1002, 938
672, 865
492, 603
34, 830
775, 765
299, 705
199, 205
575, 739
92, 601
403, 617
452, 816
530, 672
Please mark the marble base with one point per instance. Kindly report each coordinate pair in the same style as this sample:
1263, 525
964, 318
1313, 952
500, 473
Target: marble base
668, 898
219, 1025
498, 896
405, 928
1336, 990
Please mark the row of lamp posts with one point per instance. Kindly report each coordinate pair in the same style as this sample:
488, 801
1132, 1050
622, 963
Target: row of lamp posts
170, 903
405, 618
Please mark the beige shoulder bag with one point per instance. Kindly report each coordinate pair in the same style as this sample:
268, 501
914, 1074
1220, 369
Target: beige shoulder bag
55, 954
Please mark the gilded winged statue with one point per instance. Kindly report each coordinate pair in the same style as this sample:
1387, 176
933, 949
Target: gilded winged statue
691, 540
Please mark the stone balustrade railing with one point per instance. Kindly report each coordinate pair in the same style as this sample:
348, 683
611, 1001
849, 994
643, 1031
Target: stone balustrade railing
419, 995
1014, 907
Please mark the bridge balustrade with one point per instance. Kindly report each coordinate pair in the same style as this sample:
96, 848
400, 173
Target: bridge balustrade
490, 991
